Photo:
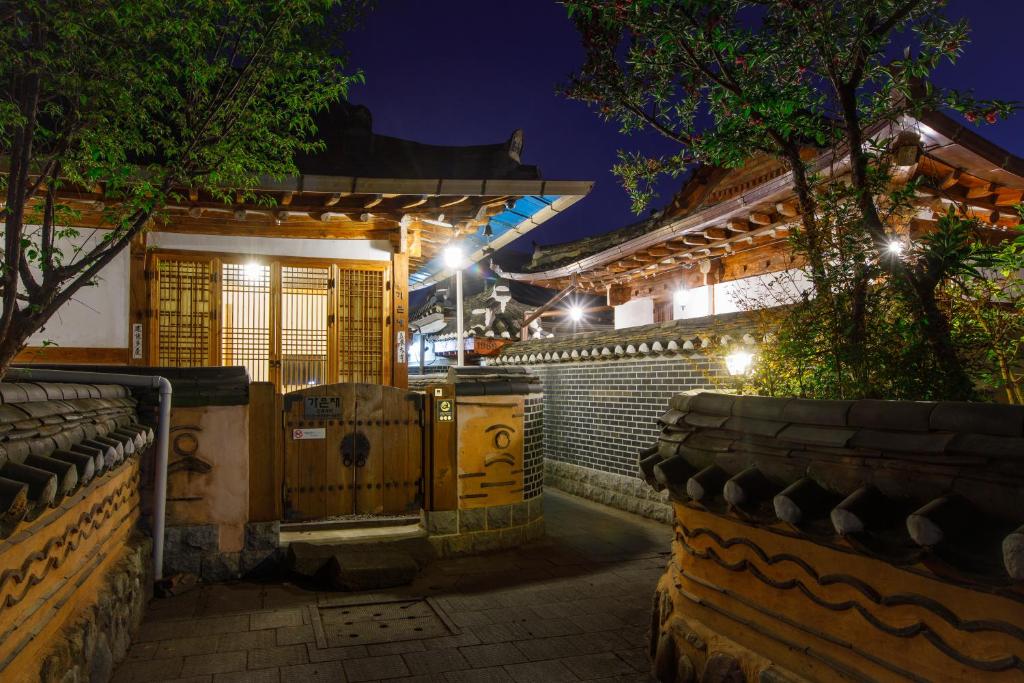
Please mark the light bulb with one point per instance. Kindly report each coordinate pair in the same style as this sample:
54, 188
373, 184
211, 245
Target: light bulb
253, 271
576, 313
454, 256
739, 362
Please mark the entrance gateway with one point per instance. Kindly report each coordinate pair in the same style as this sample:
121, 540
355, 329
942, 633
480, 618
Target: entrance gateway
352, 449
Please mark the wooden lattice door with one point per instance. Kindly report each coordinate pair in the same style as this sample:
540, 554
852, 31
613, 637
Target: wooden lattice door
352, 449
293, 322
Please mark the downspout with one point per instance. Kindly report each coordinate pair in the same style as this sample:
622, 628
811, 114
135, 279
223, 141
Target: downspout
162, 434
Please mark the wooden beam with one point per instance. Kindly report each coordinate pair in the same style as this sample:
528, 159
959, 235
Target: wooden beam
761, 218
950, 180
980, 191
1008, 197
419, 202
715, 233
789, 208
552, 302
694, 240
286, 198
400, 316
73, 355
737, 225
138, 300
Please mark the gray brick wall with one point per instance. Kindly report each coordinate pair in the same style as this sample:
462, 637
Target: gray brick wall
600, 414
533, 446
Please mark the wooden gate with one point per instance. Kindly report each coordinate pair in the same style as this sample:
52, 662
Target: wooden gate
352, 449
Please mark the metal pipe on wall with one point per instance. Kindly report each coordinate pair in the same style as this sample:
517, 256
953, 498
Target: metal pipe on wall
162, 434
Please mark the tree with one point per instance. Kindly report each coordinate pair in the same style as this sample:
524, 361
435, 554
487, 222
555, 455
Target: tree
731, 79
145, 101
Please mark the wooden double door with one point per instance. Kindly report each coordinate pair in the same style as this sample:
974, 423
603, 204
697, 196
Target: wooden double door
352, 449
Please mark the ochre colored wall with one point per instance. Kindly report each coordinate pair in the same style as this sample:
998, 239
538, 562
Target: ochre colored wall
54, 566
763, 598
216, 437
490, 450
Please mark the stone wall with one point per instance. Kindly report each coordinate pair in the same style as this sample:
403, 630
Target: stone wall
478, 530
616, 490
198, 549
88, 648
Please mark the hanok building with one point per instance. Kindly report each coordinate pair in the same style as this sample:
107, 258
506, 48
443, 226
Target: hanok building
724, 234
492, 318
313, 288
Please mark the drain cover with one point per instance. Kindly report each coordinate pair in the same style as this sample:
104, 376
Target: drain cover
379, 622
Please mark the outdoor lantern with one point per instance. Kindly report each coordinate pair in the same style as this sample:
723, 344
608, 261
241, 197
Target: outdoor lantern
895, 247
454, 257
576, 313
739, 362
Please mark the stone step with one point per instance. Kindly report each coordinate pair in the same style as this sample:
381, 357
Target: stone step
352, 535
353, 522
346, 565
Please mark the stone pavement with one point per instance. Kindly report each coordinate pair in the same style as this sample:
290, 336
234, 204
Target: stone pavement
573, 607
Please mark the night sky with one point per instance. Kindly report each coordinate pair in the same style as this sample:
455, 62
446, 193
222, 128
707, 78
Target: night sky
461, 72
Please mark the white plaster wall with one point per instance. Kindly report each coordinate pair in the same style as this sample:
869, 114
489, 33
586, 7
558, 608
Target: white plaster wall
97, 315
635, 312
759, 291
691, 303
364, 250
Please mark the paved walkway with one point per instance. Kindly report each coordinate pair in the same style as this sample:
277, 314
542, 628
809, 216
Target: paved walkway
574, 607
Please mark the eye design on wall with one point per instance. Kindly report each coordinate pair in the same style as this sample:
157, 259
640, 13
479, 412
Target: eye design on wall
185, 445
502, 439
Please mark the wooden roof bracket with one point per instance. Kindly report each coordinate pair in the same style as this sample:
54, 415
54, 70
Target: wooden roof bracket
524, 333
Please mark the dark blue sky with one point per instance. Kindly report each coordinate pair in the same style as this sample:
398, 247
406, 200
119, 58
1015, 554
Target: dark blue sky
472, 71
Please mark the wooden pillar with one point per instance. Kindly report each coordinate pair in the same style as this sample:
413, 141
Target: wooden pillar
138, 303
442, 467
400, 316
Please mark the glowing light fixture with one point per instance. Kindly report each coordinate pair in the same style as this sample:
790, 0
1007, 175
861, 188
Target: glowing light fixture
253, 271
454, 256
895, 247
576, 313
739, 362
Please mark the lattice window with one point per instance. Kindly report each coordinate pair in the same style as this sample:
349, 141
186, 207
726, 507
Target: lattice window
273, 319
184, 313
245, 318
304, 301
360, 325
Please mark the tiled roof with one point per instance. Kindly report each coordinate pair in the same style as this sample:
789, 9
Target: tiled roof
938, 483
676, 336
353, 149
55, 438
